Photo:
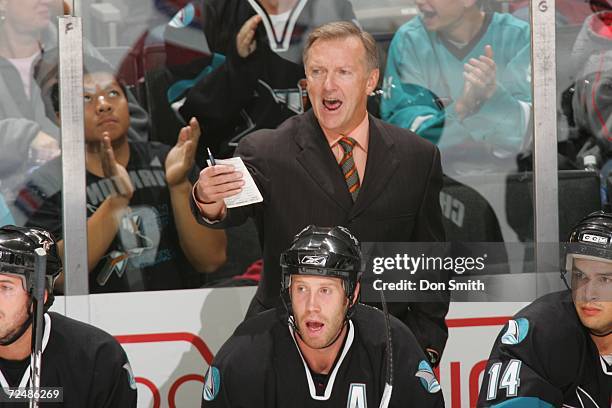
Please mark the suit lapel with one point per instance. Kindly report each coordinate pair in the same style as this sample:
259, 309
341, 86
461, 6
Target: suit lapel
380, 166
319, 162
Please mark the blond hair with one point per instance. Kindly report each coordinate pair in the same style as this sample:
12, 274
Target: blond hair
344, 29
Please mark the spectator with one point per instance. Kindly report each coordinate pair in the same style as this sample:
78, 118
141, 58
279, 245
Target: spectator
28, 137
461, 79
141, 234
259, 82
592, 108
335, 164
6, 218
595, 34
588, 102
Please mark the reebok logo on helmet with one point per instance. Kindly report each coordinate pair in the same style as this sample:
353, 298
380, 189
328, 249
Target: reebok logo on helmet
313, 260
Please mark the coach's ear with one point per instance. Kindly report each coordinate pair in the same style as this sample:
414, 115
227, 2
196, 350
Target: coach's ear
372, 80
356, 293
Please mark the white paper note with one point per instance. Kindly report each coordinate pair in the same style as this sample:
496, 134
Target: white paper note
250, 193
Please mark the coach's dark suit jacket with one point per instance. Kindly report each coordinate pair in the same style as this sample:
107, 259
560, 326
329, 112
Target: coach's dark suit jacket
302, 184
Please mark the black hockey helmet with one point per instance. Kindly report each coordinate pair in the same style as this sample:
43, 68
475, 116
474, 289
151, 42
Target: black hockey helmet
323, 251
591, 238
17, 245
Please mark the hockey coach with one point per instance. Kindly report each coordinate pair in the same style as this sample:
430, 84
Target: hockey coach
321, 348
336, 164
557, 352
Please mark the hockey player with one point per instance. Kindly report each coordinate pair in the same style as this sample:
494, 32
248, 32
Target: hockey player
323, 348
558, 350
87, 363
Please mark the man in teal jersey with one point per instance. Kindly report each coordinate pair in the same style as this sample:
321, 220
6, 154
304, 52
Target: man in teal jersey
460, 78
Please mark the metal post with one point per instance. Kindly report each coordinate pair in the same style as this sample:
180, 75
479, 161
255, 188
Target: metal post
73, 167
76, 8
544, 85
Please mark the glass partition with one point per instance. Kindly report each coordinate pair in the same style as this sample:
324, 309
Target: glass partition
583, 89
151, 66
468, 93
31, 158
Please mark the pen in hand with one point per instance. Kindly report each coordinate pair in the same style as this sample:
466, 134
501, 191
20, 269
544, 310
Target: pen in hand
210, 157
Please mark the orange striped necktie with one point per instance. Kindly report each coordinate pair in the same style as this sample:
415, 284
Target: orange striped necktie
347, 164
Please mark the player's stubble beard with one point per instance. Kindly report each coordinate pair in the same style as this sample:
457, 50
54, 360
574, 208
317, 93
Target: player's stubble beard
337, 334
15, 331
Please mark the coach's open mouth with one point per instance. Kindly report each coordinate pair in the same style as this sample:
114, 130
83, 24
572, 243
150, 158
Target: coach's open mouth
332, 104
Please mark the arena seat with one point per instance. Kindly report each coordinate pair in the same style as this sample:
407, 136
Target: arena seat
579, 195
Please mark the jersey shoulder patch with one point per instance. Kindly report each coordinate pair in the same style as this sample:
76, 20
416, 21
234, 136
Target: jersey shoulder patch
212, 383
130, 375
516, 331
427, 377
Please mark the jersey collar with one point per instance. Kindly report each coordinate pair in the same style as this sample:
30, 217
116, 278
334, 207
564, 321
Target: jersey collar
332, 377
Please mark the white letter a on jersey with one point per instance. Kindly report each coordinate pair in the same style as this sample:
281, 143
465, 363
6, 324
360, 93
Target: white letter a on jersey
357, 396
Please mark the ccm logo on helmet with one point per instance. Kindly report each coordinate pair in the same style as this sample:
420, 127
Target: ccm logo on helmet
594, 238
313, 260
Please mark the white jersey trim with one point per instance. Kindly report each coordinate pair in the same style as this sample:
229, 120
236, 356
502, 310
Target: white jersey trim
26, 375
585, 394
279, 43
330, 383
604, 366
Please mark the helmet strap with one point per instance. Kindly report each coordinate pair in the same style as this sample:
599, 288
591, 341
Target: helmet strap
564, 279
601, 335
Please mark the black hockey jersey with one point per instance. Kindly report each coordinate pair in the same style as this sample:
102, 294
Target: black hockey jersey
261, 366
544, 357
88, 363
145, 253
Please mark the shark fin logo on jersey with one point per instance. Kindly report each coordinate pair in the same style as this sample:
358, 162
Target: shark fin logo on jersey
516, 332
130, 374
212, 383
357, 396
427, 377
184, 17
